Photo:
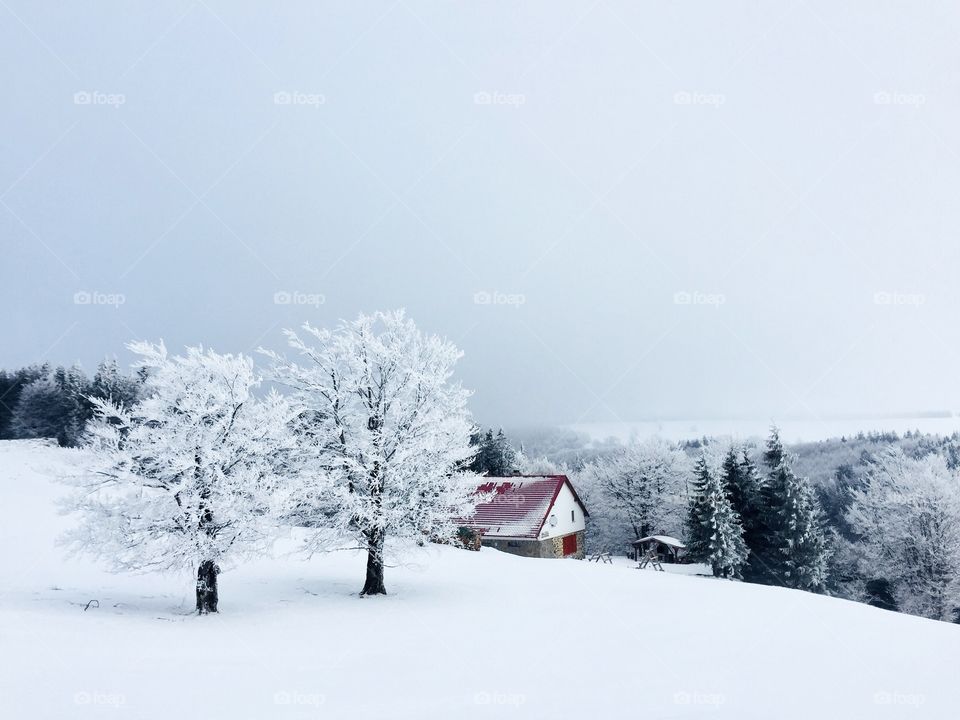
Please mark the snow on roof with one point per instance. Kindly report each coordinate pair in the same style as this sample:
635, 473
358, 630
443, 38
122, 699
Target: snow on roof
518, 505
663, 540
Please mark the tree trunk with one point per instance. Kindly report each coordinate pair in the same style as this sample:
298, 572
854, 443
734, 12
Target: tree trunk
374, 582
207, 587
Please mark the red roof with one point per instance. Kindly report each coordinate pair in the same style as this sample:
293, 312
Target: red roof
519, 505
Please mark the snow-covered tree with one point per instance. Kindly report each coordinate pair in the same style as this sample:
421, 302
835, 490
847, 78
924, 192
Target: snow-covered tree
191, 476
907, 516
715, 535
390, 431
646, 482
110, 383
54, 406
793, 550
742, 482
495, 455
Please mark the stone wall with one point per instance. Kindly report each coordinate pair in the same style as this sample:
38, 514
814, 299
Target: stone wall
549, 548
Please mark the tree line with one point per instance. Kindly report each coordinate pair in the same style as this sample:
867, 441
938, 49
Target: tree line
39, 401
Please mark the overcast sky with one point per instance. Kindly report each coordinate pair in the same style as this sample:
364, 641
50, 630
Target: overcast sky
618, 210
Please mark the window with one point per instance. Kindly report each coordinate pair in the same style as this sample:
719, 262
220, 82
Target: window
513, 543
572, 518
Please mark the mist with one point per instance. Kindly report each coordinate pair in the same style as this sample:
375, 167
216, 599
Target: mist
618, 211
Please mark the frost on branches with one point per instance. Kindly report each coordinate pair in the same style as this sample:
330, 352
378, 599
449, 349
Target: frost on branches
908, 518
189, 477
714, 529
389, 433
646, 483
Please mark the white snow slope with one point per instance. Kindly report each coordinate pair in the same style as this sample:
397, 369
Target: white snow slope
462, 635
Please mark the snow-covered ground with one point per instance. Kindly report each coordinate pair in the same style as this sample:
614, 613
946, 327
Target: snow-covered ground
462, 635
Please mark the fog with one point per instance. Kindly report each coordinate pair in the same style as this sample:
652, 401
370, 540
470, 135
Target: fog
618, 210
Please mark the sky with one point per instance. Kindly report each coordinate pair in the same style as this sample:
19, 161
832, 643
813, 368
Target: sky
617, 210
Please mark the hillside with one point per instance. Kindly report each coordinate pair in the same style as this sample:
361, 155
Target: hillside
462, 635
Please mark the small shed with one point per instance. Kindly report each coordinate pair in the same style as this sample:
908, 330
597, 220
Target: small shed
664, 547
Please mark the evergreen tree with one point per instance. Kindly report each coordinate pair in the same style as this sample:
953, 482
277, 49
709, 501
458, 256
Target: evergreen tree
698, 536
111, 384
792, 549
716, 536
495, 455
11, 385
742, 482
54, 406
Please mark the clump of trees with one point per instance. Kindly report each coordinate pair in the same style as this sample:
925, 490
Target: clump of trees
766, 528
495, 455
905, 525
198, 470
43, 402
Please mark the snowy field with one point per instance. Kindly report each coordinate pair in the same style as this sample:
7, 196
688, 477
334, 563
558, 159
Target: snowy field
462, 635
792, 431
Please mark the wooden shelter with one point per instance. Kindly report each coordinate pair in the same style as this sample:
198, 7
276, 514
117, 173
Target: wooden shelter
655, 549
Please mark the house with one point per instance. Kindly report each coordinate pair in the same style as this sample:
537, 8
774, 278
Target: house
530, 515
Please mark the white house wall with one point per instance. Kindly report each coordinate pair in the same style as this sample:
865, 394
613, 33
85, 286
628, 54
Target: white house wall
564, 503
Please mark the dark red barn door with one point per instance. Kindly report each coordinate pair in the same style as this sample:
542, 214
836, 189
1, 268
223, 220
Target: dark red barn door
569, 544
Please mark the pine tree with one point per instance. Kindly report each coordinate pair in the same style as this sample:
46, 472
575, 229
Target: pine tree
109, 383
716, 536
792, 545
742, 483
495, 455
698, 534
54, 406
